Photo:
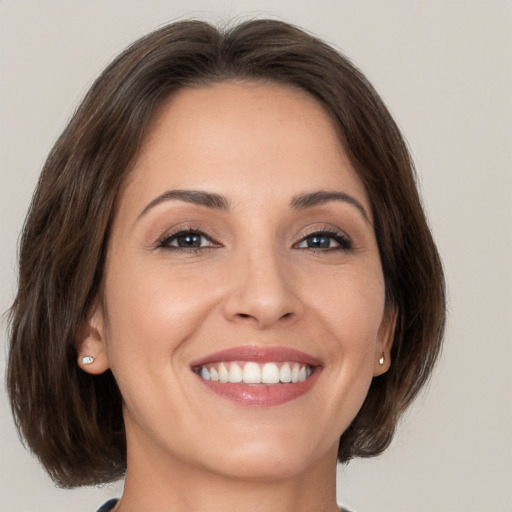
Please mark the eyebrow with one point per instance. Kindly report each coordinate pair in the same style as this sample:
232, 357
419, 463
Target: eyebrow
199, 197
219, 202
303, 201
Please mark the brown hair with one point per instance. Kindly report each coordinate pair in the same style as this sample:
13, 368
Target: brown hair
73, 420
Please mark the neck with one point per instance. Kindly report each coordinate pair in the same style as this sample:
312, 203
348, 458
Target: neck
161, 485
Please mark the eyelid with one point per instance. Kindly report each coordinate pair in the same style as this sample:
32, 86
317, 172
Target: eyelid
345, 242
183, 230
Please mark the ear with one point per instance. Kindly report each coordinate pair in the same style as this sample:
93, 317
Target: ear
385, 336
92, 353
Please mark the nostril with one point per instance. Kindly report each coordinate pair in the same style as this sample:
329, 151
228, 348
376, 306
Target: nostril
245, 315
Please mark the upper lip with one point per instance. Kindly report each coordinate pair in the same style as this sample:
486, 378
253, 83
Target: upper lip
258, 354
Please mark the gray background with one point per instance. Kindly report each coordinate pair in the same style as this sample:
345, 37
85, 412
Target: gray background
444, 68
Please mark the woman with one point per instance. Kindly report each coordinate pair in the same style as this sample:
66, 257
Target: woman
227, 282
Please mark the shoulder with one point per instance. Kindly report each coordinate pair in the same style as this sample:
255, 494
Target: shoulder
109, 505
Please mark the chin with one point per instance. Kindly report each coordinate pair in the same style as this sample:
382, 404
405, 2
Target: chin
271, 458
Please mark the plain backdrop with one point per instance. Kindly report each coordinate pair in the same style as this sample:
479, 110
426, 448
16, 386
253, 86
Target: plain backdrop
444, 68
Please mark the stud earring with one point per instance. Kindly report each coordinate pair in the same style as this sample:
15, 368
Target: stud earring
87, 360
381, 360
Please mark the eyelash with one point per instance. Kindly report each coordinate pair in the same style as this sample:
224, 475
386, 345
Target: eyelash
343, 241
164, 243
345, 244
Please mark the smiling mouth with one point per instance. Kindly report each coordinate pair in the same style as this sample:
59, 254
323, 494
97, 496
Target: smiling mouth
258, 376
254, 373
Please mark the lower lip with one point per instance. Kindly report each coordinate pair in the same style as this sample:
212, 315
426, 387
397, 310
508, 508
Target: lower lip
255, 395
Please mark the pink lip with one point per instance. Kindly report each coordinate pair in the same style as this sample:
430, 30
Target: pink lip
255, 395
259, 355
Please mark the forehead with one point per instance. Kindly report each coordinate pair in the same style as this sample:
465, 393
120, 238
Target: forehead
243, 139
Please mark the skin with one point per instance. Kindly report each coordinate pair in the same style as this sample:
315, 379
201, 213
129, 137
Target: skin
254, 282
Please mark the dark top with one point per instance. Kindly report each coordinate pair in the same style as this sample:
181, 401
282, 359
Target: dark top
112, 503
108, 506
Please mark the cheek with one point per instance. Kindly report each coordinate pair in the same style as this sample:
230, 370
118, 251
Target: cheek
352, 315
153, 311
352, 307
151, 316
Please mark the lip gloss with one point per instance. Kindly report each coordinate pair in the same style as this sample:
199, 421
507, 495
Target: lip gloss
262, 395
259, 395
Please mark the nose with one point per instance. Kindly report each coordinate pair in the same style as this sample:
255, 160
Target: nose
262, 291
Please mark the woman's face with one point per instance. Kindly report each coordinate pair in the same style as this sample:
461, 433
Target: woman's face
242, 249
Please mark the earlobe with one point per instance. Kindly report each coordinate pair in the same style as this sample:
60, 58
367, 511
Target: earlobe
386, 335
92, 355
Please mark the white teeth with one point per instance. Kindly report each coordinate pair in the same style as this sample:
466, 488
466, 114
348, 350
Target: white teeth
235, 373
252, 373
285, 374
270, 373
223, 373
255, 373
295, 373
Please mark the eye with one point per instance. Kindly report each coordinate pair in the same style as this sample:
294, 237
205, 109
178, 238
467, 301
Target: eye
326, 241
187, 239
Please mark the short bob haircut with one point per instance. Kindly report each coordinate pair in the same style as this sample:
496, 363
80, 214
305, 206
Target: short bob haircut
73, 420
